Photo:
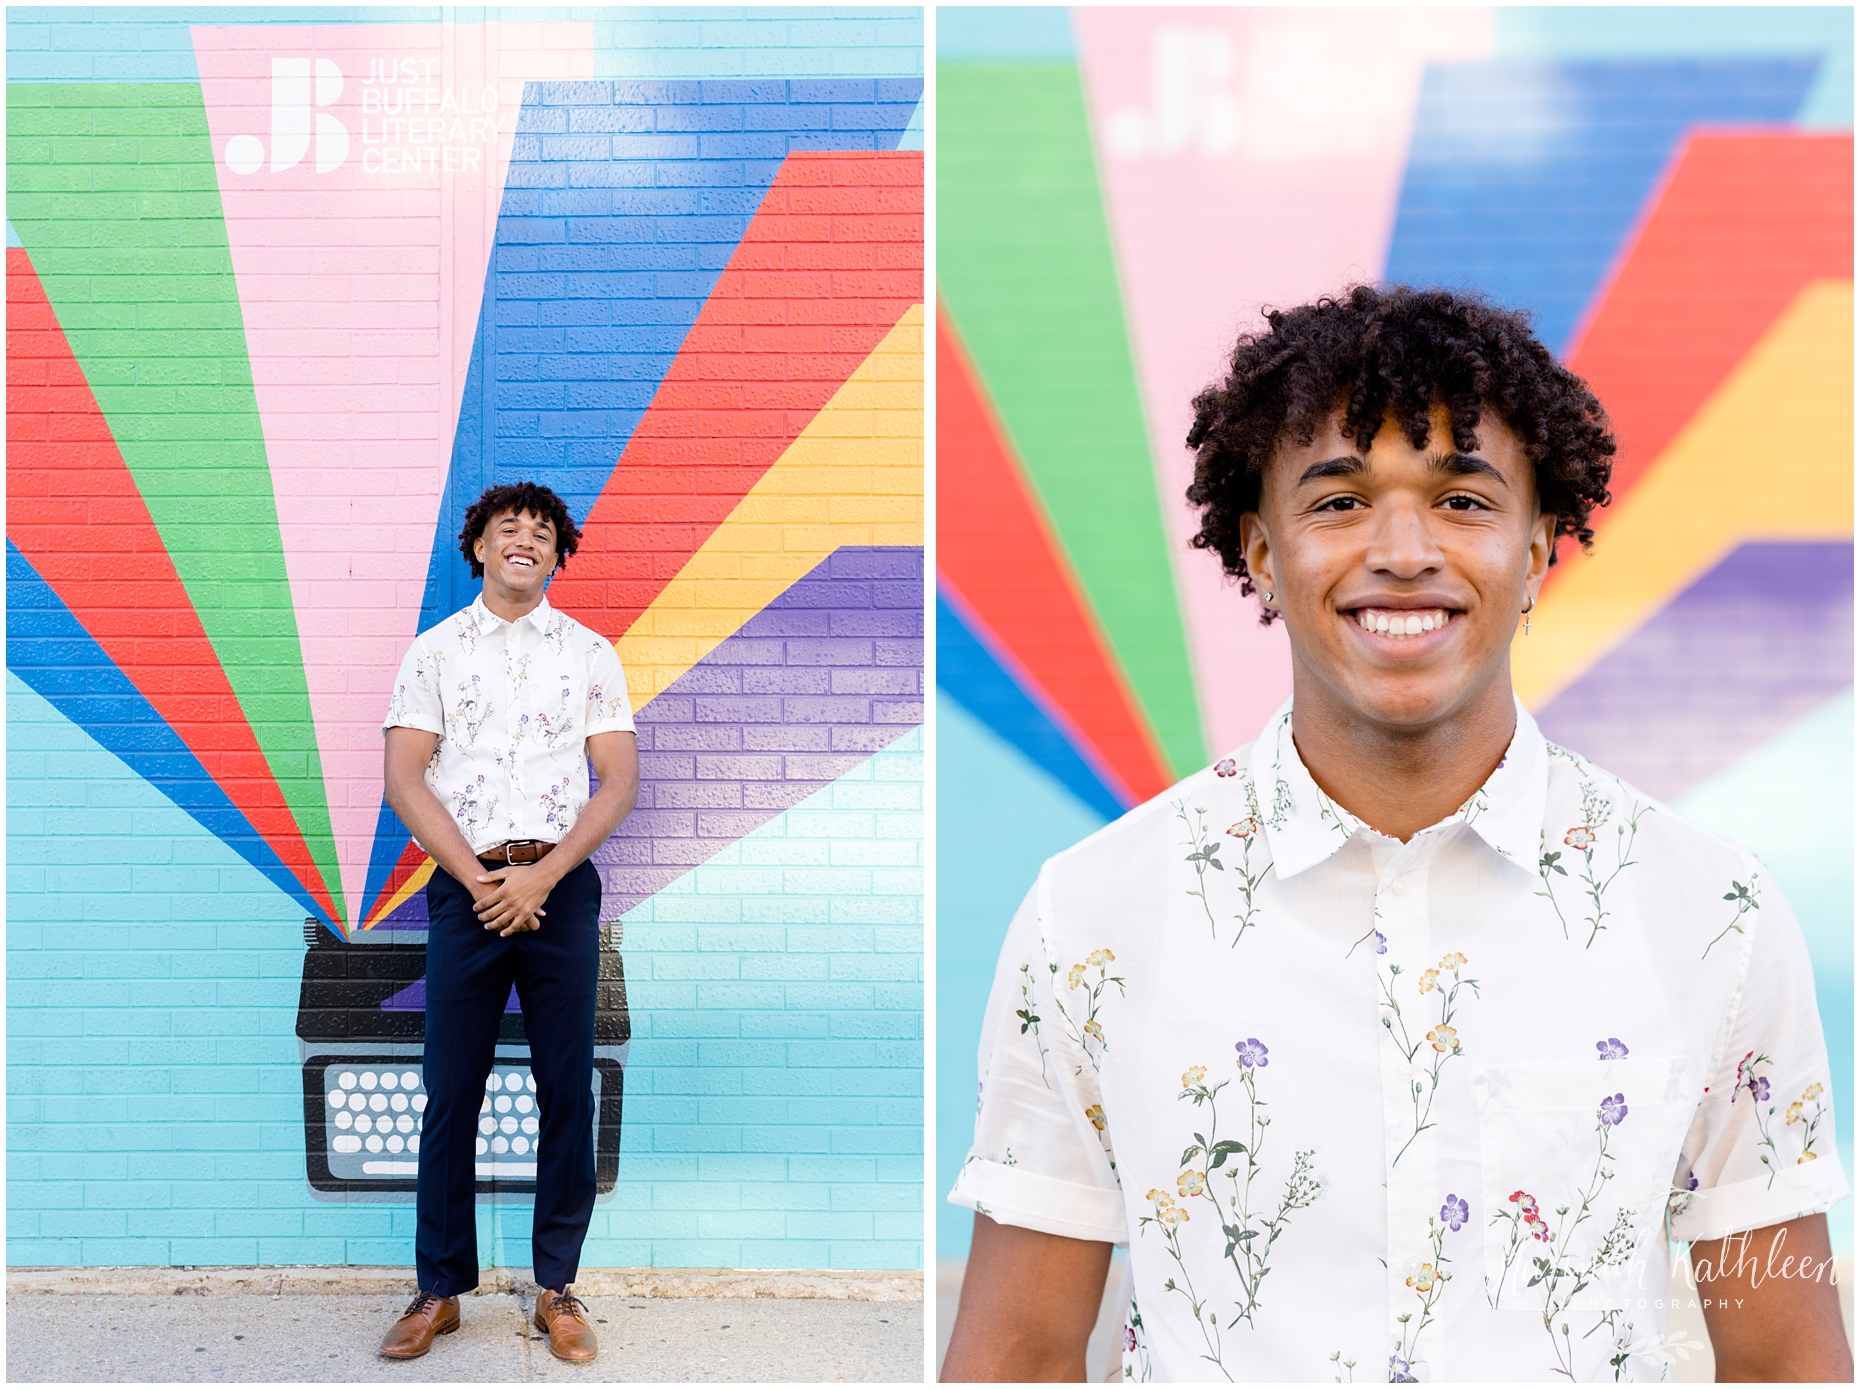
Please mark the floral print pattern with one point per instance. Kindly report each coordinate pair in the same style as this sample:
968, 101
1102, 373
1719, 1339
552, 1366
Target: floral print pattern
1087, 1030
1204, 854
1443, 1039
1137, 1366
1799, 1113
558, 725
465, 720
1758, 1084
1560, 1272
1029, 1019
474, 806
1226, 1185
1743, 897
513, 704
1601, 810
1429, 1282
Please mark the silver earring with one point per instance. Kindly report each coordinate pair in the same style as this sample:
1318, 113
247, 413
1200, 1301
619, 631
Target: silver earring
1527, 616
1268, 595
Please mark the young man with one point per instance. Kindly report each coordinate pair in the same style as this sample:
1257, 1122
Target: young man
1394, 1043
496, 716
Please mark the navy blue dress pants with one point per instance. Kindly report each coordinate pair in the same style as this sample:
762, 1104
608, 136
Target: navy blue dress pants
469, 971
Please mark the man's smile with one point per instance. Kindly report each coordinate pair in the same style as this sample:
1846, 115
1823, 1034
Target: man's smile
1400, 622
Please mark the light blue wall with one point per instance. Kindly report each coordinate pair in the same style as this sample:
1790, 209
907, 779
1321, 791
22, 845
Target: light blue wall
999, 818
1791, 803
155, 1099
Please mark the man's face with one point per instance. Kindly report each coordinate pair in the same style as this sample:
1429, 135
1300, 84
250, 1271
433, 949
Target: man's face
517, 550
1401, 572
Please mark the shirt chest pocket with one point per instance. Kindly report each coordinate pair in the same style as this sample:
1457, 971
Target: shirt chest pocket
1576, 1162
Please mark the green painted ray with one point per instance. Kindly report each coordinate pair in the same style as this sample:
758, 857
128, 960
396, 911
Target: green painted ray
111, 188
1024, 264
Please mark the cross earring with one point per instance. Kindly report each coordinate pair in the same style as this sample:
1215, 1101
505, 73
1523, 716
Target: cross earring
1527, 617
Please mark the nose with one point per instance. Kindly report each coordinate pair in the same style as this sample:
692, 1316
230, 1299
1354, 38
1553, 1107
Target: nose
1402, 545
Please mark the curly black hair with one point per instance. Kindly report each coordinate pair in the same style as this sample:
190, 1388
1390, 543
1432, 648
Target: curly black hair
519, 497
1393, 351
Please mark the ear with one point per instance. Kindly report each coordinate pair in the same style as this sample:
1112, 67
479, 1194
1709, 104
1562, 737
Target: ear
477, 547
1256, 550
1543, 545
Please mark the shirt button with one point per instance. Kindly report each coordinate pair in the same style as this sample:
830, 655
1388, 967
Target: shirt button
1396, 888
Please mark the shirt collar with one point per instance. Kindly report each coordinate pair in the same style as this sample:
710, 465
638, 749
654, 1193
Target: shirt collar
484, 619
1303, 826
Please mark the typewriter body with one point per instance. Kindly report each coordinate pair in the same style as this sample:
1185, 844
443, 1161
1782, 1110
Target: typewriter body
361, 1028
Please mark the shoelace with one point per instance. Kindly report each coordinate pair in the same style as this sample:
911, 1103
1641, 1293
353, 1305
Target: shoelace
567, 1303
421, 1302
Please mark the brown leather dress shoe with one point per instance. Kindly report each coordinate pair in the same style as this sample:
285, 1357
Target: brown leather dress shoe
564, 1317
427, 1316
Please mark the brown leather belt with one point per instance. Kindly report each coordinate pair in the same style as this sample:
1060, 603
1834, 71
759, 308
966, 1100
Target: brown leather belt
515, 852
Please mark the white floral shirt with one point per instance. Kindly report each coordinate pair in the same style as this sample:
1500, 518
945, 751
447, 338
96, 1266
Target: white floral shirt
513, 704
1367, 1110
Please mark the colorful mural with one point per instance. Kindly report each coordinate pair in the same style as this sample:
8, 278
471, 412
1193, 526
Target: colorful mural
1120, 190
286, 291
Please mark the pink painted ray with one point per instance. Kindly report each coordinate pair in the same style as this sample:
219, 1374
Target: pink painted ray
1248, 156
346, 234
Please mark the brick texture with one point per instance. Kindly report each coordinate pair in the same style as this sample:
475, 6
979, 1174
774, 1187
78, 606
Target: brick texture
767, 897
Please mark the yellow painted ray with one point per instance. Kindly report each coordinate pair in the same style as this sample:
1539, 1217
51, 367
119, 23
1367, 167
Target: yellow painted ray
854, 476
414, 883
1769, 457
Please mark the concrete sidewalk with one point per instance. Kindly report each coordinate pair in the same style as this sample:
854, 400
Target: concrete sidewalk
238, 1337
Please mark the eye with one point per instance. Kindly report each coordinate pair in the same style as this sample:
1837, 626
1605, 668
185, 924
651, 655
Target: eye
1339, 504
1459, 501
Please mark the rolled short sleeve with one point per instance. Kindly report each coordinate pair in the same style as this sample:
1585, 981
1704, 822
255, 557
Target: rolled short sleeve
1761, 1147
415, 701
610, 710
1042, 1157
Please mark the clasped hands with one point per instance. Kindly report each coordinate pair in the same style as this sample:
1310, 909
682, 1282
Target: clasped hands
511, 899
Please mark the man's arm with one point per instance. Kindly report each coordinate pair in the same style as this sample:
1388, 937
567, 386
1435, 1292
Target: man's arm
1770, 1304
404, 760
1029, 1301
515, 900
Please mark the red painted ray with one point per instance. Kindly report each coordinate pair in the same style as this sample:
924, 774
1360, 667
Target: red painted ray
1742, 222
995, 546
830, 262
74, 511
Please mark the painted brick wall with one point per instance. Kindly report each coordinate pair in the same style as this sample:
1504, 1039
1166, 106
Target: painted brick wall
154, 1110
245, 412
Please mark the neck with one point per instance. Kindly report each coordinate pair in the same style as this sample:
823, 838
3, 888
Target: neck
507, 605
1400, 779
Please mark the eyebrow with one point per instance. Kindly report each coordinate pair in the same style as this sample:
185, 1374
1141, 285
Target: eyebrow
1465, 465
1348, 466
1451, 464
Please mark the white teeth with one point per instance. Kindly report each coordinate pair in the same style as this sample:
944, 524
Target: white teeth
1401, 624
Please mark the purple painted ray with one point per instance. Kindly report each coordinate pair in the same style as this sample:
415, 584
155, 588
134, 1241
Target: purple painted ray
826, 675
1753, 645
